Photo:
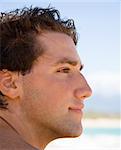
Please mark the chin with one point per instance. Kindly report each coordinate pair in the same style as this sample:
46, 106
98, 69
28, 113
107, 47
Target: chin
71, 135
74, 133
69, 131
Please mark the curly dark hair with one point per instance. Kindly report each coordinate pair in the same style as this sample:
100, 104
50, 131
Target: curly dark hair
18, 30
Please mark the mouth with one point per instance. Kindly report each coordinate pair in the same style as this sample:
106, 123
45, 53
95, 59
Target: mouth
76, 109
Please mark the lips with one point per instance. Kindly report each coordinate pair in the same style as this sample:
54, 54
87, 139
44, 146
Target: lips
77, 108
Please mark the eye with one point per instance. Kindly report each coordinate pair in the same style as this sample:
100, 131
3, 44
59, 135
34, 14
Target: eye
64, 70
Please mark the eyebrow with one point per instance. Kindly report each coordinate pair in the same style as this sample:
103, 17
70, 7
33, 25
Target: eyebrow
69, 61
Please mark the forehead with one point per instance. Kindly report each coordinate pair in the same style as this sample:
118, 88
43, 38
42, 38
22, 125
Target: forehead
58, 45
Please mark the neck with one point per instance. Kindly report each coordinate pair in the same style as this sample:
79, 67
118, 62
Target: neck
38, 138
10, 139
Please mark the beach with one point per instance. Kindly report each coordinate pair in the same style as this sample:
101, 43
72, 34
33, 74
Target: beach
98, 134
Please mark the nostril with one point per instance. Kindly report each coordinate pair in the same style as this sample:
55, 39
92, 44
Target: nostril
85, 96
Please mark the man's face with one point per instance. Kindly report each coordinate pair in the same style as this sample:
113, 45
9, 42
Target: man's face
54, 91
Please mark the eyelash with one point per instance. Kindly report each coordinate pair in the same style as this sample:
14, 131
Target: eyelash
80, 69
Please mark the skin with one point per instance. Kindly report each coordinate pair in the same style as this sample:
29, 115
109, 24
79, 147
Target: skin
47, 103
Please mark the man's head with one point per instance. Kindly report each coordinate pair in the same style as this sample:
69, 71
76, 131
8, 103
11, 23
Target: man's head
40, 72
18, 31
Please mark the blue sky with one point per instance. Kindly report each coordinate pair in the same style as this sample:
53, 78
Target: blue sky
98, 26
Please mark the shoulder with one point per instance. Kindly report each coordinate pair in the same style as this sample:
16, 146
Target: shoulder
10, 140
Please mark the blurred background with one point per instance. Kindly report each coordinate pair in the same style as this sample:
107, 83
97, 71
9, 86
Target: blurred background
98, 27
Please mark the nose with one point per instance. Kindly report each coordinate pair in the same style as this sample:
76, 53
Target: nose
83, 91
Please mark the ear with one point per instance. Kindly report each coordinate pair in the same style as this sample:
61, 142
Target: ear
8, 84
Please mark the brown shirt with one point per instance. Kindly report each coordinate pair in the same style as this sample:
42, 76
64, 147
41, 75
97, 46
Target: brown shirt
10, 139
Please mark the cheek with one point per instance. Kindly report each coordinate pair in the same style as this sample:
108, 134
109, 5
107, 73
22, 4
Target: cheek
48, 91
47, 99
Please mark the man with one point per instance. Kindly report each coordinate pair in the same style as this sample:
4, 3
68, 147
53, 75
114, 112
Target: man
41, 88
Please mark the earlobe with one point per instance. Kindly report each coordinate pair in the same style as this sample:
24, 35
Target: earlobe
8, 85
